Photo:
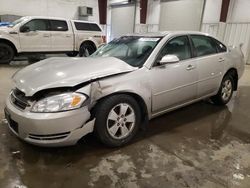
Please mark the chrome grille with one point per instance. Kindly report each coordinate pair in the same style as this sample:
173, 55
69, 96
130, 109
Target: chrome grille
18, 99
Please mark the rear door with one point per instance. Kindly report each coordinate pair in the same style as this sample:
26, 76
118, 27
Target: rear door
62, 37
36, 37
210, 64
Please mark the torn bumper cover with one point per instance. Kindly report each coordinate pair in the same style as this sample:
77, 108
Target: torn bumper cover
49, 129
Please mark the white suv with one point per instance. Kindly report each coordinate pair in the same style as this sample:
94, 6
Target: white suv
34, 34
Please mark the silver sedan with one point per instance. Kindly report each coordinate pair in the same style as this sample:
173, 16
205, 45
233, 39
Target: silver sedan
119, 88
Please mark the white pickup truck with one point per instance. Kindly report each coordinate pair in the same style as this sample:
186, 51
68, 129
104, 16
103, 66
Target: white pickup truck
36, 34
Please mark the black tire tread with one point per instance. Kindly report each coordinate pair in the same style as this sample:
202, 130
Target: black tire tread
11, 55
102, 111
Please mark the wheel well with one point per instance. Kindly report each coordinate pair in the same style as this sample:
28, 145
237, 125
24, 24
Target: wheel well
138, 98
89, 42
234, 74
9, 43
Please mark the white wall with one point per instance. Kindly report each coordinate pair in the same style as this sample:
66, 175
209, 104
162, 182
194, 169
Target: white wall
181, 15
121, 23
153, 12
239, 11
212, 11
57, 8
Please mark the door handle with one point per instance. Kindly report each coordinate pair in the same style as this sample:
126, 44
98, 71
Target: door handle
46, 35
190, 67
68, 35
221, 59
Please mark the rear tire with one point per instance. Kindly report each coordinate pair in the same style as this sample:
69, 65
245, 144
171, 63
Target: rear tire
117, 120
225, 92
72, 54
86, 50
7, 53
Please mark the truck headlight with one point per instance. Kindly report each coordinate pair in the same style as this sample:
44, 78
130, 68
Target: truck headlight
59, 103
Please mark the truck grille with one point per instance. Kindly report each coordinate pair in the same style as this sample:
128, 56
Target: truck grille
18, 99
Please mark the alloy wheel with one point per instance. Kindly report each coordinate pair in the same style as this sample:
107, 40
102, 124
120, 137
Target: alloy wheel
121, 121
227, 89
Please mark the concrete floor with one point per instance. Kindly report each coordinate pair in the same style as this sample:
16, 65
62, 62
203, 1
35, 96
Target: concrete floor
201, 145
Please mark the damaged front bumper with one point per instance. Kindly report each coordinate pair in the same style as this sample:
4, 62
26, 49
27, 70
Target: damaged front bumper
49, 129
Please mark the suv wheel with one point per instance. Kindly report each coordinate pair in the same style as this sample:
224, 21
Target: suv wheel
86, 50
72, 54
226, 91
117, 120
6, 53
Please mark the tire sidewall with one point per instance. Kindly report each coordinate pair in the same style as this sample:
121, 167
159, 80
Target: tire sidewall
72, 54
102, 115
85, 47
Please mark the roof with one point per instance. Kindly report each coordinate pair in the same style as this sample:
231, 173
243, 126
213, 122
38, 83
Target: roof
56, 18
165, 33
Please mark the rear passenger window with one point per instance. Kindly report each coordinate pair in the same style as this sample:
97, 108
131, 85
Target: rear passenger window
87, 26
203, 45
58, 25
220, 47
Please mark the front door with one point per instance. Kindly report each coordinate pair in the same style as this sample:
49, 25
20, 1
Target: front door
174, 84
35, 36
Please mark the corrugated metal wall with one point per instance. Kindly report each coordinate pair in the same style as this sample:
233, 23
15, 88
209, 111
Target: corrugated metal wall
234, 34
211, 28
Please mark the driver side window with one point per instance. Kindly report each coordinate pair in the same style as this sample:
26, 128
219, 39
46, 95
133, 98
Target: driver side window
178, 46
37, 25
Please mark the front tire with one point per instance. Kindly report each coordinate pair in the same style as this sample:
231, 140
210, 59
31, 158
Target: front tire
117, 120
6, 53
225, 92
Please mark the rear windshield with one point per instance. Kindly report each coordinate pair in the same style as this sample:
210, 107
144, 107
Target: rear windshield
134, 50
87, 26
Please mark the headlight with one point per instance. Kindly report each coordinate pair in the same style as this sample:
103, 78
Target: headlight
58, 103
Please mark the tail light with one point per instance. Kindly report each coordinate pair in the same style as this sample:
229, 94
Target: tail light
104, 39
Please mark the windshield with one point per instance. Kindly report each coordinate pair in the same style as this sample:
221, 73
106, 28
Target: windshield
17, 21
134, 50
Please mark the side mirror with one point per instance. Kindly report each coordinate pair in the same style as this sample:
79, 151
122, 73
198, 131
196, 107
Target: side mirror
169, 59
24, 29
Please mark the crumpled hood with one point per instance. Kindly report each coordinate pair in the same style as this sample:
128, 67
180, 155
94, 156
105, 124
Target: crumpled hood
66, 72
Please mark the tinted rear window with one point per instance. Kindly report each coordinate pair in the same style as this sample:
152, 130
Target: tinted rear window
58, 25
203, 45
87, 26
220, 47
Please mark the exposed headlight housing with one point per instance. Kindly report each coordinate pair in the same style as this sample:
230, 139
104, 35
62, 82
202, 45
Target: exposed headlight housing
59, 103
